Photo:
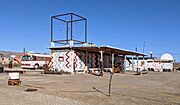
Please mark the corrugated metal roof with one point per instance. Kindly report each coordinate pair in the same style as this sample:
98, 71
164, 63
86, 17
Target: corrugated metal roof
106, 49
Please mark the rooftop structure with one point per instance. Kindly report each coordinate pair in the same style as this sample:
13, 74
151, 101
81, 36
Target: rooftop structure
66, 23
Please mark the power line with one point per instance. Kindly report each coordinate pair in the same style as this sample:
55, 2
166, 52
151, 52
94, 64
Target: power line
162, 54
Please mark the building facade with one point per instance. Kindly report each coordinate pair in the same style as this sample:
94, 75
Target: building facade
88, 59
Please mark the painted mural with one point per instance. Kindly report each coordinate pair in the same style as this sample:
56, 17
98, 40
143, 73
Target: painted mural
61, 60
79, 60
148, 65
70, 61
94, 60
107, 61
64, 60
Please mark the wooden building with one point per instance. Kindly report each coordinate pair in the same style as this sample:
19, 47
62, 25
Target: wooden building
88, 59
77, 55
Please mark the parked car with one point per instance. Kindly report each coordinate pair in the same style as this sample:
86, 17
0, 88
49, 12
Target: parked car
178, 69
1, 68
1, 64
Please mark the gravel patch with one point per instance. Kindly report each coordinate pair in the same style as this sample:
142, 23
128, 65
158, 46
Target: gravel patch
12, 96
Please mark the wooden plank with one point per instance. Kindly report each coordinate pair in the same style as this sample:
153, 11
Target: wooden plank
14, 82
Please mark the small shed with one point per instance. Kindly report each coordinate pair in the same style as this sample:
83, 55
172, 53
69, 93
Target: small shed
165, 63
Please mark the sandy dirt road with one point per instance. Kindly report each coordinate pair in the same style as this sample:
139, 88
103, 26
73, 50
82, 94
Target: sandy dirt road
154, 88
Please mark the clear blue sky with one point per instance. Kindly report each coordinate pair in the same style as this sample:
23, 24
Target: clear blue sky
120, 23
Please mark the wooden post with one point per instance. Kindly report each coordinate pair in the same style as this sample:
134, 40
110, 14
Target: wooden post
110, 83
102, 64
112, 62
72, 61
86, 63
132, 64
124, 63
137, 64
143, 64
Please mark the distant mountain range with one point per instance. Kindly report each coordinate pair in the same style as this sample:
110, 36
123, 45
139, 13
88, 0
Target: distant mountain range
8, 54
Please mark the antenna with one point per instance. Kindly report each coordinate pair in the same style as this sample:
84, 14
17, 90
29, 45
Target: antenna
144, 46
136, 49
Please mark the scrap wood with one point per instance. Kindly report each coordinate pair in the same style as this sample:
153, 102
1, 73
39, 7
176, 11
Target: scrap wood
14, 82
97, 74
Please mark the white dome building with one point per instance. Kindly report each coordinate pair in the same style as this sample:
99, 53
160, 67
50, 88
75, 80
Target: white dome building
167, 57
167, 60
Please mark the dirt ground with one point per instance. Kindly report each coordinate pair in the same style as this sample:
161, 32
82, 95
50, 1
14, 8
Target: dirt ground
154, 88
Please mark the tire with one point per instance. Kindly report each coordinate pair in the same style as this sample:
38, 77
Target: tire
45, 67
1, 69
36, 66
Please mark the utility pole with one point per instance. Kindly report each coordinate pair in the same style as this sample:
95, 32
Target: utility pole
24, 50
151, 54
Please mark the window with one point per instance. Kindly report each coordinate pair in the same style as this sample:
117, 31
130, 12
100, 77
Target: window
26, 58
61, 59
41, 59
33, 58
